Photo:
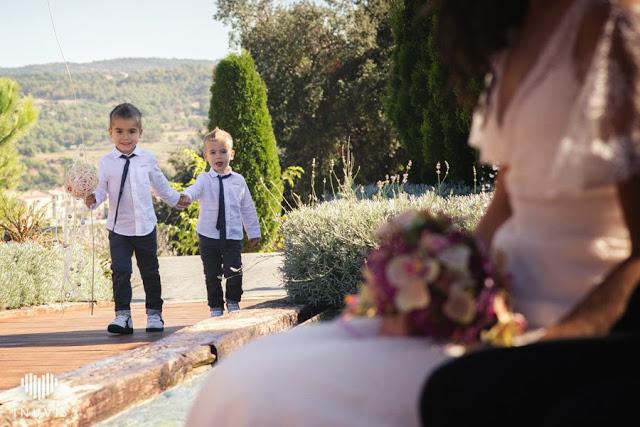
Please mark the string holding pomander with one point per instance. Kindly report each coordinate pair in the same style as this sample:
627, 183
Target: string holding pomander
81, 180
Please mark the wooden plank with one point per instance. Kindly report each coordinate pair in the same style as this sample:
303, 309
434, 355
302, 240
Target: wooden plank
55, 341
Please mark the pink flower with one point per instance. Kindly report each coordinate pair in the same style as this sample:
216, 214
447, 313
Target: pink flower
398, 224
459, 306
405, 269
433, 242
406, 219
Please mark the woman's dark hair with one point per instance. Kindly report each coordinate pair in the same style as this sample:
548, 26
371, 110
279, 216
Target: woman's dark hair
126, 111
472, 31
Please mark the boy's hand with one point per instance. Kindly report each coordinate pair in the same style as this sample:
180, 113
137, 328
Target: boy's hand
183, 202
254, 242
90, 200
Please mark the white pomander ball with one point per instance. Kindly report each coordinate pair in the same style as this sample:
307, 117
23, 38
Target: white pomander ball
81, 180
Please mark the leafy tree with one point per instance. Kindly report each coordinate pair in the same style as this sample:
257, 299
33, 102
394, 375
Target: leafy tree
325, 68
10, 167
239, 106
182, 225
16, 117
432, 125
187, 163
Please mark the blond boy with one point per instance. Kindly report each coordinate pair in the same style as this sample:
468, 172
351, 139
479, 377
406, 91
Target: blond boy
225, 207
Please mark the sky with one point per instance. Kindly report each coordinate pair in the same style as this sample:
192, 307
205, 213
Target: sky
91, 30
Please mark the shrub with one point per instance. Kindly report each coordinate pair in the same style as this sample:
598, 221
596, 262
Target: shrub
239, 106
181, 229
31, 274
326, 244
19, 222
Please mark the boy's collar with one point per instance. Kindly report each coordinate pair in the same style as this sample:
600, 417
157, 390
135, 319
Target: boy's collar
215, 174
117, 153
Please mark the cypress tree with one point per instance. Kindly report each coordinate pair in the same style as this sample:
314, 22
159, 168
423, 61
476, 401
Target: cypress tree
239, 106
432, 125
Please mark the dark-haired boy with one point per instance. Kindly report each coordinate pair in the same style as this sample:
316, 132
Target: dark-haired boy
126, 176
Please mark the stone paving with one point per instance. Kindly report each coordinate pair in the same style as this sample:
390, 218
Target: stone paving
183, 279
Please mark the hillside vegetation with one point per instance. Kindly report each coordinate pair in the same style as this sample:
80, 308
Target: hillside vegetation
173, 95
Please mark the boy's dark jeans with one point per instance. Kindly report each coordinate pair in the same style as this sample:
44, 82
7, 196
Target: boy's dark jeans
146, 250
219, 259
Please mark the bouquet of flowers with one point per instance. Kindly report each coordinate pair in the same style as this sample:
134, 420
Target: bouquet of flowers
439, 280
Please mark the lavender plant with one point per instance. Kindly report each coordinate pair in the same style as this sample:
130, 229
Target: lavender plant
326, 244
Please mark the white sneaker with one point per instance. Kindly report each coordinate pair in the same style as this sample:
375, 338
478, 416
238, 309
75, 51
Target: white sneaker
216, 311
233, 306
122, 324
155, 322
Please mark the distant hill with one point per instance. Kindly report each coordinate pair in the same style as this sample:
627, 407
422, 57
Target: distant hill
121, 64
173, 95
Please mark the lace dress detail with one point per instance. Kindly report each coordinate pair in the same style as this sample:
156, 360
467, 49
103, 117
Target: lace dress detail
602, 142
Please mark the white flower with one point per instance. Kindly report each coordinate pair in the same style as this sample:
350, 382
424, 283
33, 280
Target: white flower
456, 258
413, 296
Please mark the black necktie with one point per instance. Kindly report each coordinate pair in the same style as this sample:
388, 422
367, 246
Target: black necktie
124, 178
221, 223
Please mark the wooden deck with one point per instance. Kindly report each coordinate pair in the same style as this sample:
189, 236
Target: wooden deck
56, 341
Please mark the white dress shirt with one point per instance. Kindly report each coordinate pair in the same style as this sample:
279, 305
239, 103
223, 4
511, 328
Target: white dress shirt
238, 206
136, 216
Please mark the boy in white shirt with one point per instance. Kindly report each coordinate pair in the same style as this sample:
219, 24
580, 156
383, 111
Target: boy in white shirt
222, 215
126, 177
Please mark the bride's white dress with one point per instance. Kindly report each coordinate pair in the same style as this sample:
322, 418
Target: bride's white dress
557, 244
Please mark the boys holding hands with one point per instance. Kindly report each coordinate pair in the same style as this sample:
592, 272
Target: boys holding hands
225, 206
126, 177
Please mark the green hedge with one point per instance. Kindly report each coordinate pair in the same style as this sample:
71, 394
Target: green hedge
31, 274
239, 106
326, 244
432, 123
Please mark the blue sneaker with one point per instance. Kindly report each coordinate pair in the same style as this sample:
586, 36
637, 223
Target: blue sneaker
216, 311
233, 306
